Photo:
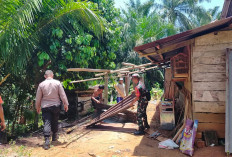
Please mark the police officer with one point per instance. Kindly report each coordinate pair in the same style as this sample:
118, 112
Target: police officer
48, 98
140, 91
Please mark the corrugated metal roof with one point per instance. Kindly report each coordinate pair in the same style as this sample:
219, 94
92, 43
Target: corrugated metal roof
152, 47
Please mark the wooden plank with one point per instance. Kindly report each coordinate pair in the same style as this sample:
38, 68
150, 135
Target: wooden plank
211, 38
88, 70
204, 52
210, 117
209, 77
209, 95
218, 127
106, 79
208, 86
209, 60
214, 47
213, 107
200, 68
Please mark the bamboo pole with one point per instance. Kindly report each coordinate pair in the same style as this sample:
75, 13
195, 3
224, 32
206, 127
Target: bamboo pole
88, 70
126, 69
106, 89
128, 64
92, 79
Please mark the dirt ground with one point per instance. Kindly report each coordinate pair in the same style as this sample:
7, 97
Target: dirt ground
105, 140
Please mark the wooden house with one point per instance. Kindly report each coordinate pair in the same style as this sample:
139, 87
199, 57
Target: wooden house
201, 60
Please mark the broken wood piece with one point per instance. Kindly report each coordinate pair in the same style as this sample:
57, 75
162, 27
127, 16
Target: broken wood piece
179, 132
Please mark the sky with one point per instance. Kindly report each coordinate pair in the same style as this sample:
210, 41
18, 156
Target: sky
212, 4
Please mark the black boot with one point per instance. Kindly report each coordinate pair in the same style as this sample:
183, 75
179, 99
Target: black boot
139, 132
146, 125
47, 143
55, 137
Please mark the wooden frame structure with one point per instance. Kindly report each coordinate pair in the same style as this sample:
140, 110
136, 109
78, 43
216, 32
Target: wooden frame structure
123, 72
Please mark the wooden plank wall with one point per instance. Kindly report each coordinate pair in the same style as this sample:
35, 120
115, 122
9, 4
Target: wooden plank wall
209, 80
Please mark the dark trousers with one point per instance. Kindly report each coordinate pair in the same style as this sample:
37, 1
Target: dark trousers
141, 114
50, 117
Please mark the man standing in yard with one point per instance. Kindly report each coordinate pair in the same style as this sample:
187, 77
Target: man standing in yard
3, 126
97, 99
48, 96
140, 92
120, 87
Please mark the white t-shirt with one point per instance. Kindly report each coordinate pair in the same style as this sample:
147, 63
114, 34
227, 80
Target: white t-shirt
121, 88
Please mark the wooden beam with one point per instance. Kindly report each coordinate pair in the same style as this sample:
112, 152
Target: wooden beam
126, 69
143, 70
106, 78
127, 84
128, 64
169, 48
130, 68
88, 70
92, 79
100, 74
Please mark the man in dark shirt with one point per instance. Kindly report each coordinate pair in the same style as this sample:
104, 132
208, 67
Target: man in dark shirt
142, 105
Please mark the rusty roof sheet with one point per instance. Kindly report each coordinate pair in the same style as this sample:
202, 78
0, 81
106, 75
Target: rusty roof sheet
184, 36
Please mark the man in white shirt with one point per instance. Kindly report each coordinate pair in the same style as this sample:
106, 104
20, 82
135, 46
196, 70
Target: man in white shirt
120, 87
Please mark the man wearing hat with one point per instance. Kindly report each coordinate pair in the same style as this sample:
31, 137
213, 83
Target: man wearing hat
120, 87
140, 91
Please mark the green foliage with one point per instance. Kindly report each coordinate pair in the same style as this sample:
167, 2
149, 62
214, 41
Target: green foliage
24, 24
156, 92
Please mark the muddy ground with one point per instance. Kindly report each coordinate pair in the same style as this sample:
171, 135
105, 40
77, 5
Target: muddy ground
104, 140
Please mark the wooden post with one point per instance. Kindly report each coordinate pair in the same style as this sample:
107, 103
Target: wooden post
228, 129
127, 84
106, 78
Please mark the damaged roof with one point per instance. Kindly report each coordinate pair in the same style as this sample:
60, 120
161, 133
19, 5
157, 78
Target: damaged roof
163, 49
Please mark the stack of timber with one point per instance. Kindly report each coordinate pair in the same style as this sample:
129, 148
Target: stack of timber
119, 107
209, 80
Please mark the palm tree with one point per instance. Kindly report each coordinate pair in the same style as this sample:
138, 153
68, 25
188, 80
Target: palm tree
179, 12
23, 22
203, 16
141, 24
